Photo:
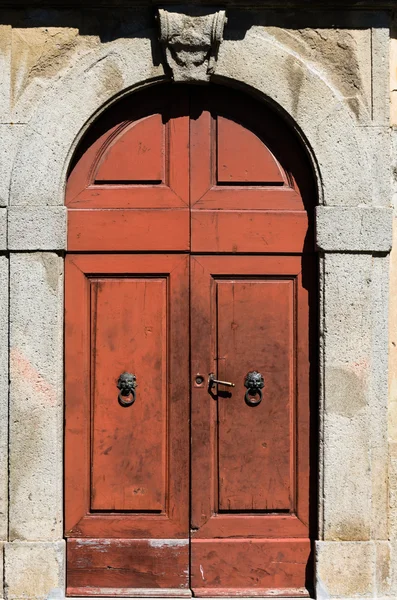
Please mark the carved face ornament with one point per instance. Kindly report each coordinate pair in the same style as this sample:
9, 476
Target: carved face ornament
191, 42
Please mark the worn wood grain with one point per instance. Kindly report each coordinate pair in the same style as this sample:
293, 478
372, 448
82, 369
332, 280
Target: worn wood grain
113, 563
129, 334
234, 566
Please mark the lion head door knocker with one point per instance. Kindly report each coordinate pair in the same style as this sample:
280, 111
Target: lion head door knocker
127, 385
254, 383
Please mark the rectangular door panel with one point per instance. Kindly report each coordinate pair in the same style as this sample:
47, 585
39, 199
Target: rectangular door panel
128, 230
129, 332
250, 464
127, 468
255, 332
248, 231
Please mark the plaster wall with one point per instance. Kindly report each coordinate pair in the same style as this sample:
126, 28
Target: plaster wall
329, 72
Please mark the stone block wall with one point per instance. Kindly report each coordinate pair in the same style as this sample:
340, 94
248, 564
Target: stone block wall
330, 73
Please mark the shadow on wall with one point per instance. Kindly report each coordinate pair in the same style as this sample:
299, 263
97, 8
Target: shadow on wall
108, 24
45, 39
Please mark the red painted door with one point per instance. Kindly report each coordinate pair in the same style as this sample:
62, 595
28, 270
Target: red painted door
211, 188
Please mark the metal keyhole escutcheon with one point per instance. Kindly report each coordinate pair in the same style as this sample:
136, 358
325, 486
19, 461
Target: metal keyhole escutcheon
127, 385
254, 382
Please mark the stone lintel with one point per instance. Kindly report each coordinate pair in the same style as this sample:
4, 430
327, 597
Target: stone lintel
356, 229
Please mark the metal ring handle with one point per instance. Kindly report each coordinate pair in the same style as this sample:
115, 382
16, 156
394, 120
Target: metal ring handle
248, 397
126, 384
254, 382
124, 402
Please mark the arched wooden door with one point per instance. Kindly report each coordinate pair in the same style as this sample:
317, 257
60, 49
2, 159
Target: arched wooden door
190, 260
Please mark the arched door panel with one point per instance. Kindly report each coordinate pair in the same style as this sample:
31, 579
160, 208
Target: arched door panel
122, 188
242, 199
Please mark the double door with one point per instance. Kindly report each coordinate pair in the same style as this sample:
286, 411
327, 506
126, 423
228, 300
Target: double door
187, 354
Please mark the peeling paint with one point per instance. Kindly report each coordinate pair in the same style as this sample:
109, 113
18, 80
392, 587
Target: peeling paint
99, 545
163, 543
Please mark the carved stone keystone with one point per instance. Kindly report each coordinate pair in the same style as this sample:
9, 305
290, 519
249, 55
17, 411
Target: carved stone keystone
191, 37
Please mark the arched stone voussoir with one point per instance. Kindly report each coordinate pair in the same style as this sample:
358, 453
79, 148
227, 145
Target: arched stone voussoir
67, 110
333, 132
332, 126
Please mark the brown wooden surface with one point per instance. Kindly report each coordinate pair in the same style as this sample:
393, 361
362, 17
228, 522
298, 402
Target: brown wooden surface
136, 169
213, 175
281, 182
135, 158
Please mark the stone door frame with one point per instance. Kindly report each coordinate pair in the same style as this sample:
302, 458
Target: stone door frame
353, 222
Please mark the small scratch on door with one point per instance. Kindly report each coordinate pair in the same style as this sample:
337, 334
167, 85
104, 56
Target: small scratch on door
202, 572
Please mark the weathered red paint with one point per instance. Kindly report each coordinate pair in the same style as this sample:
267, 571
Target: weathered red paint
250, 465
127, 468
221, 186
